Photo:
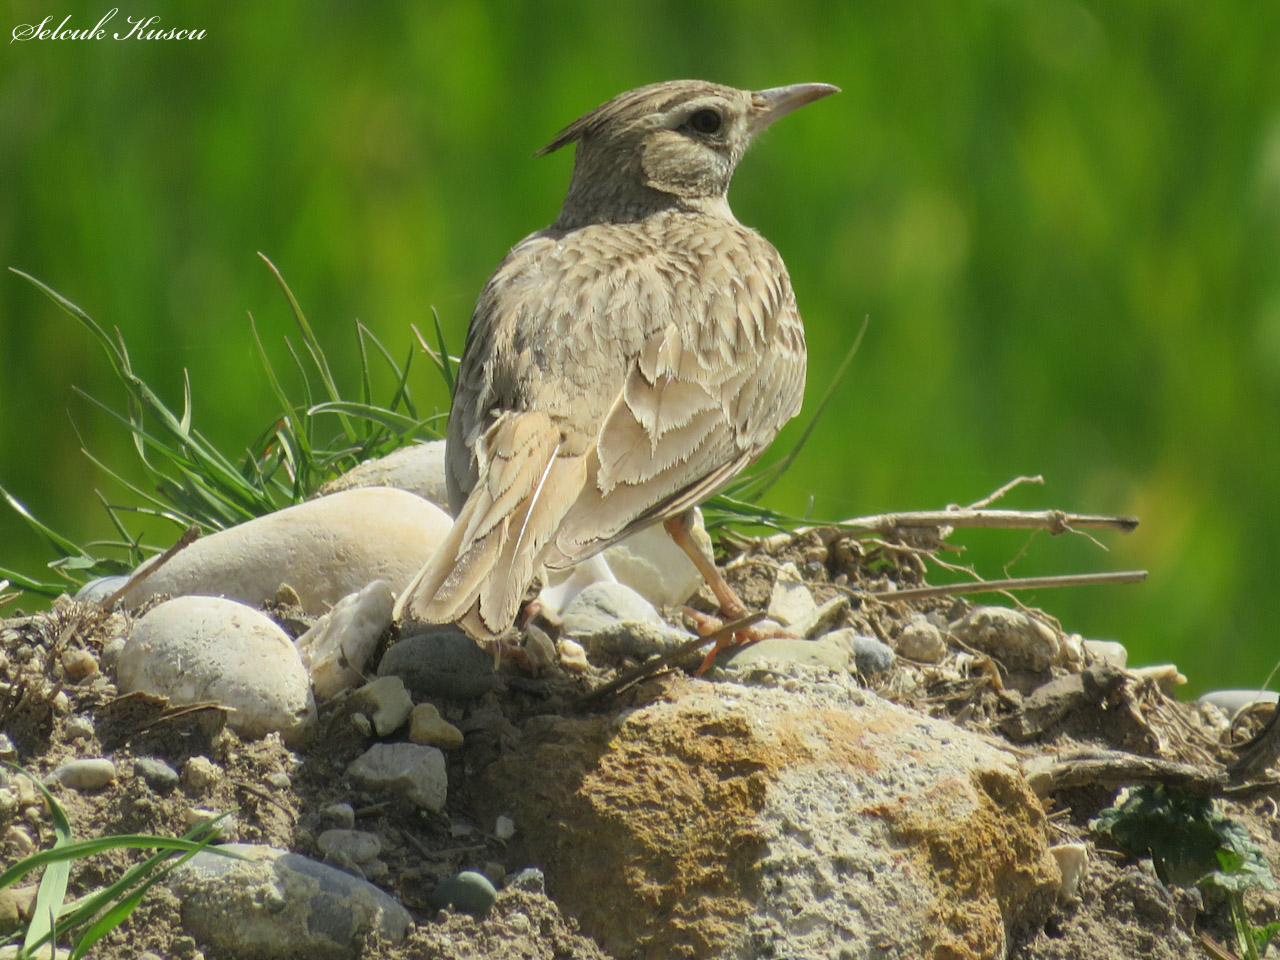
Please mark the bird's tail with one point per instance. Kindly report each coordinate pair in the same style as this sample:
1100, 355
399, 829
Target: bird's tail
479, 574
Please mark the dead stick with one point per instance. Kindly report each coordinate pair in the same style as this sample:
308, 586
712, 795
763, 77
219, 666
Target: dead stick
188, 537
1014, 583
1055, 521
650, 667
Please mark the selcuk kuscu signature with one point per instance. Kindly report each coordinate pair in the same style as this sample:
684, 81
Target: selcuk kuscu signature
140, 28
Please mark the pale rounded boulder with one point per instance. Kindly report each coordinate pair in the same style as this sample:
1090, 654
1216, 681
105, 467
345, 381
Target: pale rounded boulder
195, 649
324, 549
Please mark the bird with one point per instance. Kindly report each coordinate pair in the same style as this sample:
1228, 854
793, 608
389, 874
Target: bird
621, 365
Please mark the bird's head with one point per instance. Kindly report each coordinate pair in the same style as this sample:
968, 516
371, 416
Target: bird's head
677, 141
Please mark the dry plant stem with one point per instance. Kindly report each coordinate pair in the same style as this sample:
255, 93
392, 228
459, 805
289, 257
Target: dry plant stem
1055, 521
189, 536
1048, 775
988, 500
1015, 583
650, 667
1258, 754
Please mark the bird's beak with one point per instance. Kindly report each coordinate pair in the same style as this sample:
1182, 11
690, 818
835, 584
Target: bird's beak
769, 105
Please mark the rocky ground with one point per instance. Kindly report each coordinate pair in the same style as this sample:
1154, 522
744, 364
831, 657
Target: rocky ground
910, 779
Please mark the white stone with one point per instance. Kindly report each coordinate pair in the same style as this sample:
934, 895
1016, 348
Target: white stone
417, 468
414, 771
1010, 636
195, 649
92, 773
1072, 859
920, 640
572, 656
504, 827
338, 646
791, 602
386, 702
650, 563
325, 549
1108, 650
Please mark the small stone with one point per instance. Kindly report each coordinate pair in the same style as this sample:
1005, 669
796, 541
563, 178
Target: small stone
375, 869
362, 724
824, 618
920, 640
225, 828
870, 656
1010, 636
355, 845
410, 770
467, 892
279, 779
7, 750
427, 726
19, 843
1109, 650
1232, 702
1072, 859
111, 653
343, 814
338, 646
61, 703
602, 605
15, 906
504, 828
92, 773
386, 702
444, 663
539, 649
158, 775
79, 664
572, 656
530, 880
494, 872
791, 601
8, 803
635, 639
200, 774
79, 728
831, 651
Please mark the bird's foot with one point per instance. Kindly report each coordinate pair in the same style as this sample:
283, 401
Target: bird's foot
706, 624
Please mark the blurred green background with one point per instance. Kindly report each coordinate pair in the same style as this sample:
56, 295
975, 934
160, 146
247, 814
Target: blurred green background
1062, 219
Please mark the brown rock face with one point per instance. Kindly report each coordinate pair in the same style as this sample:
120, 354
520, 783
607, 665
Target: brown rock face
730, 821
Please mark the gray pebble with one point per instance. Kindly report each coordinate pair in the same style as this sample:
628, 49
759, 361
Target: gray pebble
79, 728
530, 879
871, 656
355, 845
410, 770
159, 776
90, 774
446, 663
601, 605
343, 814
831, 651
467, 892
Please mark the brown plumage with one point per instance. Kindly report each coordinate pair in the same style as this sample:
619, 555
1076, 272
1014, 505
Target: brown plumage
623, 364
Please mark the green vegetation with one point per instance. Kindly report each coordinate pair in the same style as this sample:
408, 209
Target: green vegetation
1191, 842
1060, 217
91, 917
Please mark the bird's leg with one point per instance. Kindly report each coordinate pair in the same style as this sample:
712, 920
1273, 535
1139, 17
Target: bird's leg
731, 607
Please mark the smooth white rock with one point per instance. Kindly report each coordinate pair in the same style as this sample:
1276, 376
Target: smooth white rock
325, 549
1072, 859
1233, 701
194, 649
650, 563
91, 773
417, 468
1108, 650
338, 646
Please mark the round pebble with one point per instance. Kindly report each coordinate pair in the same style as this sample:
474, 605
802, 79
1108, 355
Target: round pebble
79, 664
158, 775
467, 892
92, 773
427, 726
200, 774
920, 640
871, 656
446, 663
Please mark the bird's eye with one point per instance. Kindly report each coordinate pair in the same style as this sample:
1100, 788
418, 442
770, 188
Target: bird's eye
705, 121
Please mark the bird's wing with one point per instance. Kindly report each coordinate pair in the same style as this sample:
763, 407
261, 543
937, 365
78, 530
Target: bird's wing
705, 396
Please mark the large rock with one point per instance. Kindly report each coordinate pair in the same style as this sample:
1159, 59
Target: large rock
650, 563
417, 468
738, 822
277, 904
339, 644
194, 649
325, 549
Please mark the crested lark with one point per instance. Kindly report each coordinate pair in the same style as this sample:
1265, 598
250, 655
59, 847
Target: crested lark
623, 364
